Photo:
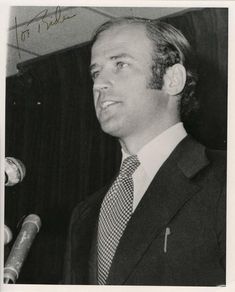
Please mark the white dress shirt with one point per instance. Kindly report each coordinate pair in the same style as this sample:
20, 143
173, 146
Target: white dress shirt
152, 156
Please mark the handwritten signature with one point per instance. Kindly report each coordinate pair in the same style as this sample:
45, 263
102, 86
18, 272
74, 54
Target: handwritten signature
44, 21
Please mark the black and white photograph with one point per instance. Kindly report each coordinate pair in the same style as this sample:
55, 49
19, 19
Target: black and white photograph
116, 144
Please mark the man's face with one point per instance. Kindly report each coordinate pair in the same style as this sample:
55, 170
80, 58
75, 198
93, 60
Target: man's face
121, 69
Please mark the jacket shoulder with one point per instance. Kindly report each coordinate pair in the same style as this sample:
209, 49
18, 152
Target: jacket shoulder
218, 162
219, 156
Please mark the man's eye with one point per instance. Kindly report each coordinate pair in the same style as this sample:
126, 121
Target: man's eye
94, 75
121, 65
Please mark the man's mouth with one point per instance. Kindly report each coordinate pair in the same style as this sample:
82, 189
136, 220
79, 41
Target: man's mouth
108, 103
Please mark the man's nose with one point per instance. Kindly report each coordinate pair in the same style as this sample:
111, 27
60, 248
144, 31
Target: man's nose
101, 86
103, 81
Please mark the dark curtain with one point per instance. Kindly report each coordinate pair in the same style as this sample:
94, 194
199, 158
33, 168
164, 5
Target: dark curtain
51, 126
207, 31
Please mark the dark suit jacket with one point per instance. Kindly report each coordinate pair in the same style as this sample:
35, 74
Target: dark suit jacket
187, 198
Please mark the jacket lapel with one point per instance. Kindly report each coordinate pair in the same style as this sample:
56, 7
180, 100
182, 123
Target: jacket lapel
171, 188
83, 226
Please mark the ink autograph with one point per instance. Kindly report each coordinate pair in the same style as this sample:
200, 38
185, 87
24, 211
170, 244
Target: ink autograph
44, 21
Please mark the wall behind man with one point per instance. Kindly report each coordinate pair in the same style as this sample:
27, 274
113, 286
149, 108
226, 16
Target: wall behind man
207, 31
51, 126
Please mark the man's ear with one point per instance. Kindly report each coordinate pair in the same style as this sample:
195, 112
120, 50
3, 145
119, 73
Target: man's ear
174, 79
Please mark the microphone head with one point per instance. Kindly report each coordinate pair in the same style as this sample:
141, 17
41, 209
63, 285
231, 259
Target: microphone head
14, 171
33, 219
7, 234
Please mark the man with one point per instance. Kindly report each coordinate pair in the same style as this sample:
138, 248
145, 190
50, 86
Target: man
162, 221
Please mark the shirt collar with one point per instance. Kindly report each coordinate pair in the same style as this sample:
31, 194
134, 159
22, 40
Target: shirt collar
153, 154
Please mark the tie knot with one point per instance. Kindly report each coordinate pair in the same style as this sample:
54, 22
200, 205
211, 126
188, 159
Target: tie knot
129, 165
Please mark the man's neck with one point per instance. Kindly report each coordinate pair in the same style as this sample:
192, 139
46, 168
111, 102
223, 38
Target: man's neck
133, 144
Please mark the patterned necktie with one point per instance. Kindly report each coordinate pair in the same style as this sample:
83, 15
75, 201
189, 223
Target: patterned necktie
115, 212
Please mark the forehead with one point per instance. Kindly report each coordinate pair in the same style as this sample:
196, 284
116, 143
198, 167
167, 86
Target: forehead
126, 38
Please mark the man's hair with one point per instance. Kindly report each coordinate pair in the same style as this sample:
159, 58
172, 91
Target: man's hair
169, 47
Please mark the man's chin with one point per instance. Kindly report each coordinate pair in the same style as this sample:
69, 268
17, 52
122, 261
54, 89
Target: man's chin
111, 130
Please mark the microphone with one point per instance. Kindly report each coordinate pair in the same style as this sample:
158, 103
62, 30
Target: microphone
14, 171
7, 234
20, 249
